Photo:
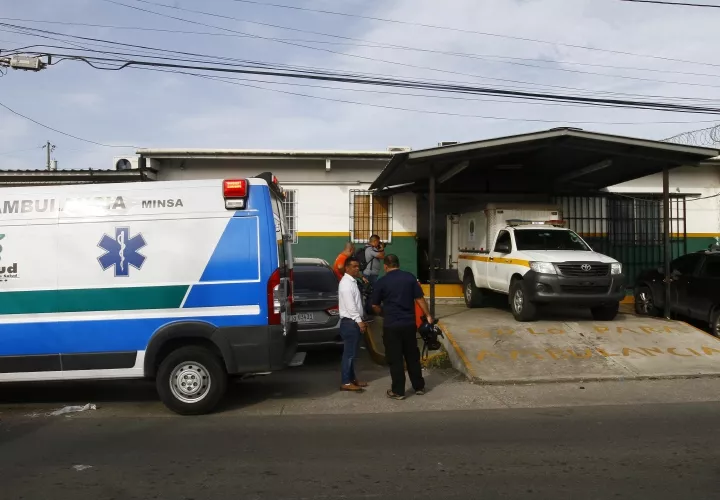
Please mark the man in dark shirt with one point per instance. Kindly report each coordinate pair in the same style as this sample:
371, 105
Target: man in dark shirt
395, 296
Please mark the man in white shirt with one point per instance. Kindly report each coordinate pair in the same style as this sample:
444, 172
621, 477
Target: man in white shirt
352, 325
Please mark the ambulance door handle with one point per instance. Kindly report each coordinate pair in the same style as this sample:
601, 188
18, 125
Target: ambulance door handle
491, 259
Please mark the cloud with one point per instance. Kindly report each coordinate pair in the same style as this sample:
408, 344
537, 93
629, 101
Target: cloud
152, 109
87, 100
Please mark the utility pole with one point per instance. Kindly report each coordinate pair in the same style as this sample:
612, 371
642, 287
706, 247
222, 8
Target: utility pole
49, 149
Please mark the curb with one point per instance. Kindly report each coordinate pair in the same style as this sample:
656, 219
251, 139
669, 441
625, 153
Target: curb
377, 356
608, 378
457, 356
717, 339
460, 362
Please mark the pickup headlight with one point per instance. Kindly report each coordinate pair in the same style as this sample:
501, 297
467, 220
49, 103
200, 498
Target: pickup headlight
615, 268
543, 267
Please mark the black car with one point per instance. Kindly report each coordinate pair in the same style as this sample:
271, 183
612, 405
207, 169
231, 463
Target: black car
316, 303
694, 289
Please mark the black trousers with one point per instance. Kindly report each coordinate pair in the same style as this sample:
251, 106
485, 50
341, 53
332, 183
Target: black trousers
401, 345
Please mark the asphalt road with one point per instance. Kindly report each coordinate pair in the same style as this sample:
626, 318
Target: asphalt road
665, 451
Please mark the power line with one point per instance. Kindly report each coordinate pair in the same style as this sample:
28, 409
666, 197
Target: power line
681, 108
244, 63
360, 42
29, 32
61, 132
394, 63
344, 54
461, 30
677, 4
413, 110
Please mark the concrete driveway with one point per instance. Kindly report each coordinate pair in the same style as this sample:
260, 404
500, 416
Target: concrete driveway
489, 346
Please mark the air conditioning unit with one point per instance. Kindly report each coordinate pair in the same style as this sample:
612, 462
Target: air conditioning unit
398, 149
446, 143
125, 162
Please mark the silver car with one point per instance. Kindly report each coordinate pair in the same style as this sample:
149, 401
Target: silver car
316, 303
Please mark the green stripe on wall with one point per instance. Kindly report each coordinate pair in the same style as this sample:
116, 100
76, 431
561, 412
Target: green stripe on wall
93, 299
328, 248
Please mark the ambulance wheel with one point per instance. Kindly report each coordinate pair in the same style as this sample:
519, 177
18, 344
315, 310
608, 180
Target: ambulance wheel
522, 308
605, 313
473, 295
191, 380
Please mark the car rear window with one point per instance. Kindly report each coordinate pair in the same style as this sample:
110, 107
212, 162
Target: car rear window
315, 279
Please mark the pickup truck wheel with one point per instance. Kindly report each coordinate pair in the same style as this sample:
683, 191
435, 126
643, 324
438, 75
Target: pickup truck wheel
605, 313
645, 302
191, 380
522, 308
473, 295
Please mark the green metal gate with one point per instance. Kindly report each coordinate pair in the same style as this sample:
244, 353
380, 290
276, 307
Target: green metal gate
628, 227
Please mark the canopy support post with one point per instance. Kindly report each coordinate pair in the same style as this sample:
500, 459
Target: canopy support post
667, 253
431, 241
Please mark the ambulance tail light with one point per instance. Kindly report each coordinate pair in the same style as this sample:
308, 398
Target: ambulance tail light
273, 298
235, 192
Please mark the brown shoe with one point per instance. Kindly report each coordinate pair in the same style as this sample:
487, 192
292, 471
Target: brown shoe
360, 384
351, 388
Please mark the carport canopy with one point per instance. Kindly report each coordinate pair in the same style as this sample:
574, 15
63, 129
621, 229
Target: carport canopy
561, 160
555, 161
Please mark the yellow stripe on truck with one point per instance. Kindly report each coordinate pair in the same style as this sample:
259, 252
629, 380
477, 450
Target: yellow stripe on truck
473, 257
496, 260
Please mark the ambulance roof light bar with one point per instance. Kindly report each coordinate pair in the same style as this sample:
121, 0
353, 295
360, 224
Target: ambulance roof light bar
272, 182
522, 222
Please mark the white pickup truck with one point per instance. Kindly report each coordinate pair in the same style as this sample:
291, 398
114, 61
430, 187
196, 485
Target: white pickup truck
536, 262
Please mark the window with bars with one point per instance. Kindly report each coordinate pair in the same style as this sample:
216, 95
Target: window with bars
370, 214
291, 213
636, 221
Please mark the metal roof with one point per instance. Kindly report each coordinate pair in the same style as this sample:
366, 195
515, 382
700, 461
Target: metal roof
261, 154
550, 161
73, 176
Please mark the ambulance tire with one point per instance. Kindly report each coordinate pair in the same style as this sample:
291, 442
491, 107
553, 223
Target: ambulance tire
191, 380
472, 294
522, 308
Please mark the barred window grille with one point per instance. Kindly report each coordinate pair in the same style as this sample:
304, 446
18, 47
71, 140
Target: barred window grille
291, 213
627, 227
370, 214
636, 221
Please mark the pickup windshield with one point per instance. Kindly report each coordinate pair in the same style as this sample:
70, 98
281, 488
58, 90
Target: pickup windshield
548, 239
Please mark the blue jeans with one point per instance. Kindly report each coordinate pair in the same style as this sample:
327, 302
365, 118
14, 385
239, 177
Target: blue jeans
350, 333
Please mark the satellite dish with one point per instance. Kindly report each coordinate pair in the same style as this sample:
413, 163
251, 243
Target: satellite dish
123, 164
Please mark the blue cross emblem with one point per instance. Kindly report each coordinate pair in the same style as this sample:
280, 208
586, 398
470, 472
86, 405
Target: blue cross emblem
122, 251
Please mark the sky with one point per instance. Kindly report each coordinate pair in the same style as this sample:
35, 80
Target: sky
140, 108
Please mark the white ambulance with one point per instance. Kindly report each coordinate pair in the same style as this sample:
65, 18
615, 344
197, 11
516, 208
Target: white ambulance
184, 282
525, 252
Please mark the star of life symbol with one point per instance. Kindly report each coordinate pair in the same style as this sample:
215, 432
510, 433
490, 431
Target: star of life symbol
122, 252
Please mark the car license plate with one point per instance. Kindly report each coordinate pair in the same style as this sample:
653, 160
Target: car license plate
303, 317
